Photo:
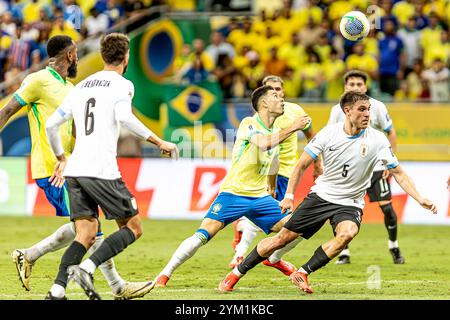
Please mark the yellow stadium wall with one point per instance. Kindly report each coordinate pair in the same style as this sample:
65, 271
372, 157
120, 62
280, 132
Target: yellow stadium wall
423, 130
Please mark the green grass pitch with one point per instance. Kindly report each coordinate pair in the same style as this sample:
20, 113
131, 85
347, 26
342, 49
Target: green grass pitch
426, 274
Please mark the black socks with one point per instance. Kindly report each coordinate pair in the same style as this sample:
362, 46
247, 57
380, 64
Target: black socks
113, 245
390, 221
73, 255
317, 261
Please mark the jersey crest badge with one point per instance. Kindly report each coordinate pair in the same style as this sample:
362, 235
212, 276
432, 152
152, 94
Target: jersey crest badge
364, 149
216, 208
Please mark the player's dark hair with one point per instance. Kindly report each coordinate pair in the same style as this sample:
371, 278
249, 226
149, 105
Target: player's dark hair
58, 44
356, 74
258, 93
350, 98
114, 48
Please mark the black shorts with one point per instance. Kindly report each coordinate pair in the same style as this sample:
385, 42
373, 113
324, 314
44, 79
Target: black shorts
313, 212
87, 194
380, 189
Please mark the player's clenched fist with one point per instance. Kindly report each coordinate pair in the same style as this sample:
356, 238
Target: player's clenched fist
427, 204
286, 205
169, 148
301, 123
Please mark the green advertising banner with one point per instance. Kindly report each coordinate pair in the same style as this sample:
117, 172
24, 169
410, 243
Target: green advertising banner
13, 179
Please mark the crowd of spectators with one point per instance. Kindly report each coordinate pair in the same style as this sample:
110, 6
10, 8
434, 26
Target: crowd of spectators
26, 26
406, 54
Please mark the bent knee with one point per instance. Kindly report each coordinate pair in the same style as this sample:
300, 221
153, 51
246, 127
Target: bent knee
86, 238
347, 235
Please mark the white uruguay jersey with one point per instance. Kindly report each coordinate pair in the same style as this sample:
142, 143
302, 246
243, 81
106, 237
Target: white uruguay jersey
348, 162
379, 119
92, 104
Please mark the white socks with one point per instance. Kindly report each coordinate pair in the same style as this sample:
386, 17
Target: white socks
59, 239
393, 244
249, 232
108, 268
184, 251
57, 291
276, 256
345, 252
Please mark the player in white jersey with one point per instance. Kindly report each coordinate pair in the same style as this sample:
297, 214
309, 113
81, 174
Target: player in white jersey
379, 189
350, 151
99, 105
244, 230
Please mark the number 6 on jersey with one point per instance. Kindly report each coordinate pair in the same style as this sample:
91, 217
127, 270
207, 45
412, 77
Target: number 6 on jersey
89, 126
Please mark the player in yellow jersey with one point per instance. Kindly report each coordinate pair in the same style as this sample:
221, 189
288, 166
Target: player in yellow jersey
244, 230
41, 93
244, 190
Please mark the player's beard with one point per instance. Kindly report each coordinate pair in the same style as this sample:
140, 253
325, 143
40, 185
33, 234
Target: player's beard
72, 71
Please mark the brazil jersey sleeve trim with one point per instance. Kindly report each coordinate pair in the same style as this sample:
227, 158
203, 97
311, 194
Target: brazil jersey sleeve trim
393, 165
308, 126
19, 99
312, 154
56, 75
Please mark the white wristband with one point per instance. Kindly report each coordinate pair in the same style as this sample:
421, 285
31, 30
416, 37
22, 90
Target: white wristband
289, 196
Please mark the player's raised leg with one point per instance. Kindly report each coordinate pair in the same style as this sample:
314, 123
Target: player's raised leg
345, 232
260, 253
129, 231
208, 228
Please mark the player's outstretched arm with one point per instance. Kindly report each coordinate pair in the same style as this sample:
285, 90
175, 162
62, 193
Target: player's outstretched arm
287, 204
272, 140
408, 185
8, 111
128, 120
166, 147
392, 137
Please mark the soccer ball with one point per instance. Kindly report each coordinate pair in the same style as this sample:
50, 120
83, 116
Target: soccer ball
354, 26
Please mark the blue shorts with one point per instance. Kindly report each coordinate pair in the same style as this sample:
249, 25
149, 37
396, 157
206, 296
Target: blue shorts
265, 212
58, 197
282, 183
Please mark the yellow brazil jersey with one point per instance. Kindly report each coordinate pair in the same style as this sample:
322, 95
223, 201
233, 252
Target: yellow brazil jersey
250, 166
288, 148
43, 92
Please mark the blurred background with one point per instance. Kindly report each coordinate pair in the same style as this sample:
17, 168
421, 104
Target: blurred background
194, 64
